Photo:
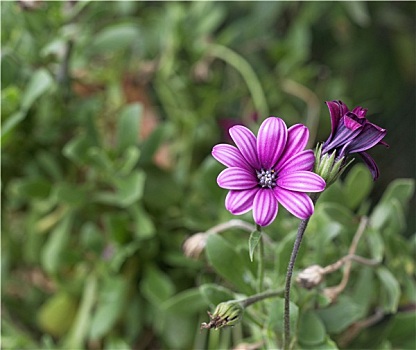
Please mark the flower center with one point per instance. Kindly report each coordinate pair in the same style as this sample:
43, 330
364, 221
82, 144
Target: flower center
267, 178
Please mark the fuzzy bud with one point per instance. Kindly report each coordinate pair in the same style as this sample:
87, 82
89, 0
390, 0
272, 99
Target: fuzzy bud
195, 245
310, 277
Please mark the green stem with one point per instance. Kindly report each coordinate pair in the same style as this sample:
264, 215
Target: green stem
247, 72
261, 296
260, 274
301, 230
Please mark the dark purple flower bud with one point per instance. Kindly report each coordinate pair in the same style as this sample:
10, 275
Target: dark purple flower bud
351, 132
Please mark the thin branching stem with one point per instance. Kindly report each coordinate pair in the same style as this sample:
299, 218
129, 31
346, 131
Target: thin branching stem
301, 230
261, 296
260, 274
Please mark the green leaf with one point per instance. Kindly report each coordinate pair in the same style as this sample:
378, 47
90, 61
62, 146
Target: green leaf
130, 188
129, 160
151, 144
275, 318
99, 158
56, 244
110, 305
311, 329
144, 226
78, 333
215, 294
70, 194
283, 252
227, 262
401, 332
340, 315
156, 286
338, 212
116, 224
122, 253
375, 244
128, 126
12, 121
380, 215
116, 343
358, 185
56, 315
49, 164
358, 11
30, 188
91, 237
77, 149
364, 289
390, 291
189, 301
400, 189
40, 82
116, 37
254, 239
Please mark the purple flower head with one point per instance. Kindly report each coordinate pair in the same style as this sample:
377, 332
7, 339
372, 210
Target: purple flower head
351, 132
272, 169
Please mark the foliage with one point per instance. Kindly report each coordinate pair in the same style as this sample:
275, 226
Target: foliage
109, 113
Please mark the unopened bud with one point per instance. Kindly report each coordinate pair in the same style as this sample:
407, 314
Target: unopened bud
195, 245
328, 166
228, 313
310, 277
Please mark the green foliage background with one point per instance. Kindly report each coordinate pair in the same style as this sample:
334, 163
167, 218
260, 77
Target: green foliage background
109, 113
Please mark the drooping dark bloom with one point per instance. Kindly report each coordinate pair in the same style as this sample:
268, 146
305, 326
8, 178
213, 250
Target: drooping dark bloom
272, 169
351, 132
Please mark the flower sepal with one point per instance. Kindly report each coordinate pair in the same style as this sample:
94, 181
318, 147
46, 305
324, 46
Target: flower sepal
228, 313
328, 166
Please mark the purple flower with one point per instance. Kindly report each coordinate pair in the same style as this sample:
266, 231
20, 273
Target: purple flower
351, 132
272, 169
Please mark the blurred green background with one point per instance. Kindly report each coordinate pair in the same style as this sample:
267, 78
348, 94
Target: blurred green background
109, 113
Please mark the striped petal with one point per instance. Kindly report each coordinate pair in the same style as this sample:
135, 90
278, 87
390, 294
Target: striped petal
246, 143
370, 162
297, 203
230, 156
370, 136
303, 161
341, 137
264, 207
271, 141
337, 109
240, 202
297, 138
236, 179
301, 181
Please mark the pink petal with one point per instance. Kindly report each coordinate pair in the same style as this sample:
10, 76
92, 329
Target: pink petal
236, 179
246, 143
230, 156
297, 203
302, 161
264, 207
297, 138
240, 202
301, 181
271, 141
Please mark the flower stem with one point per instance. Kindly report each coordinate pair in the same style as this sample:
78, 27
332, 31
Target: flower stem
301, 230
260, 274
261, 296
